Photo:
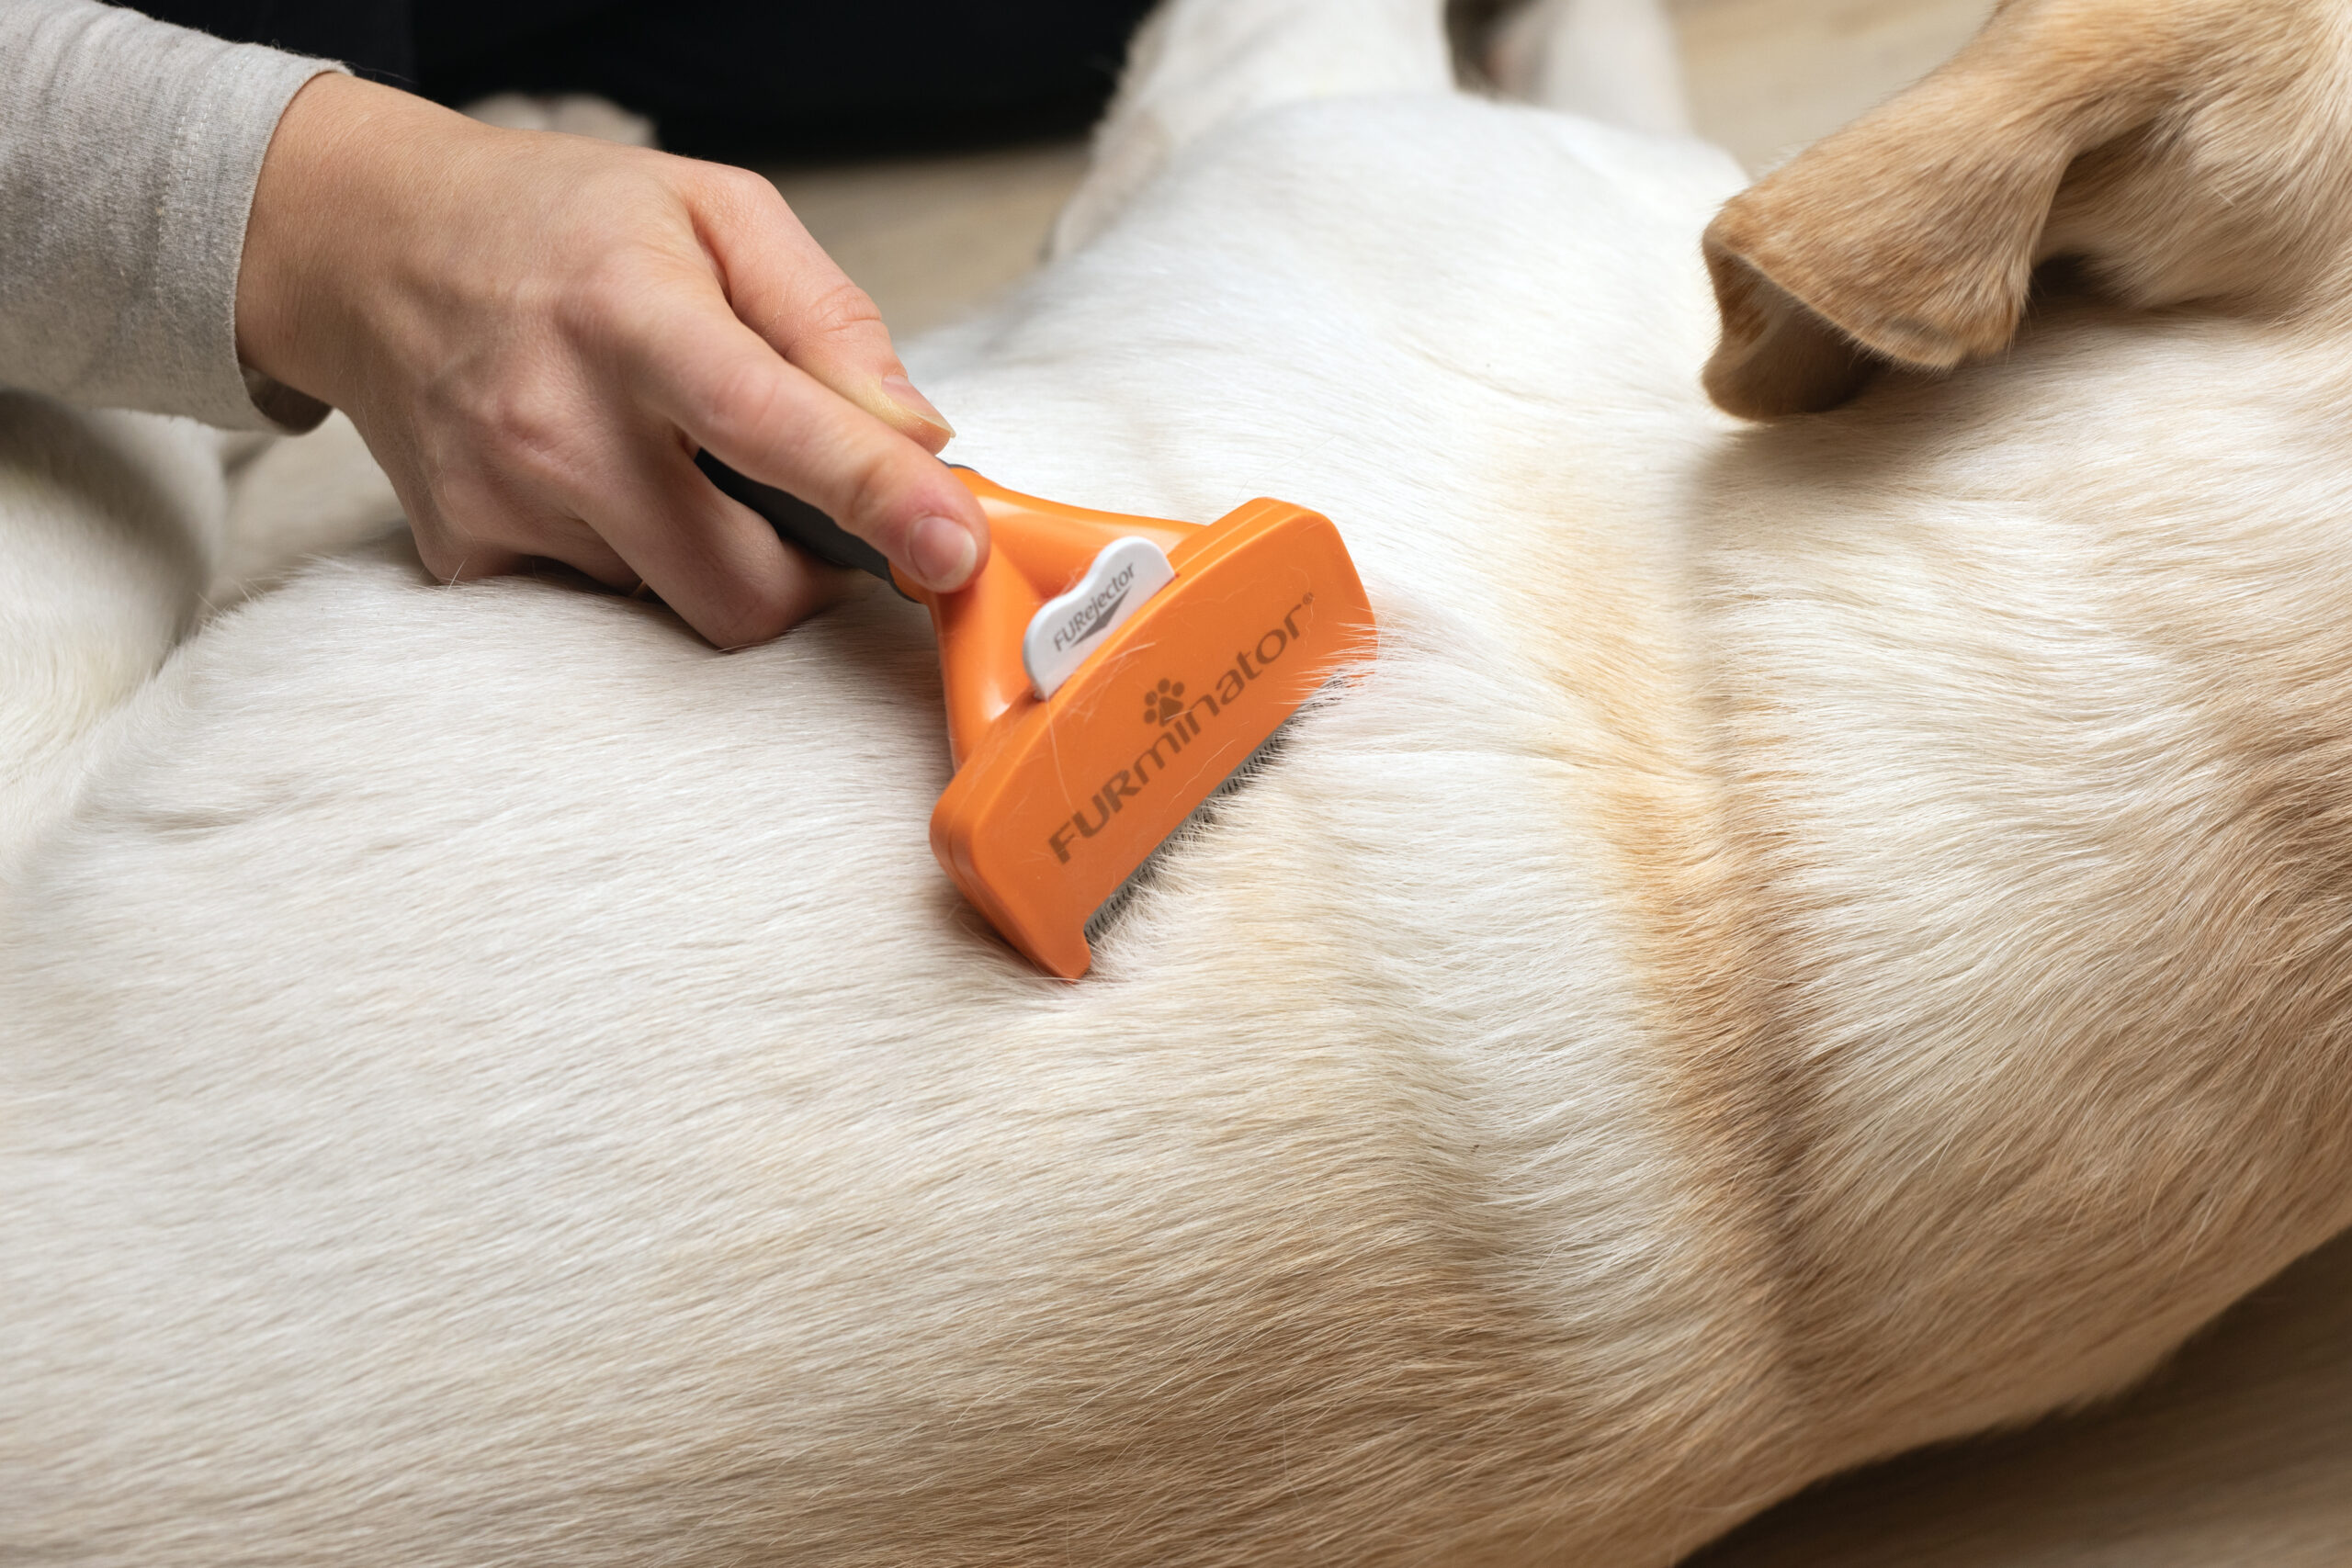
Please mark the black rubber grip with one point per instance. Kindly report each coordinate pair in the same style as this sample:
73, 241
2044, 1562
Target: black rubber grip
796, 521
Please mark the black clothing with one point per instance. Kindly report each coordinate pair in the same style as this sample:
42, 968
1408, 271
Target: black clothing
743, 76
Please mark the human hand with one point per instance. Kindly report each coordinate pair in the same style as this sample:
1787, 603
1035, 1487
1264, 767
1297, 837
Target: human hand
536, 333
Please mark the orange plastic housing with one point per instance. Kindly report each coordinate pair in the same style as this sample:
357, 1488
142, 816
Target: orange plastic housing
1057, 801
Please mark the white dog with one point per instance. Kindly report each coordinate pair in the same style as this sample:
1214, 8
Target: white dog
1810, 940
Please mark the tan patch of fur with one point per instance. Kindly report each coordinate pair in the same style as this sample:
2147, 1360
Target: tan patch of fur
1999, 1189
1695, 911
2184, 150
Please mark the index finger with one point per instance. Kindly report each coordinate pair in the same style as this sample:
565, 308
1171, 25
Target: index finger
783, 286
728, 391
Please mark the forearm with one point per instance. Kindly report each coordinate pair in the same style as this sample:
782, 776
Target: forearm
535, 333
128, 153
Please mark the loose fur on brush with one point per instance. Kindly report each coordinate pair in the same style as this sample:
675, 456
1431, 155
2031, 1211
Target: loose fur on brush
1810, 940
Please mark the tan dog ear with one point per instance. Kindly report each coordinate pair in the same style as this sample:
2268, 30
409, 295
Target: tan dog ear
1910, 237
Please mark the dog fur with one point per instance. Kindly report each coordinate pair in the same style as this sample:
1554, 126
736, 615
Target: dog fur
1810, 940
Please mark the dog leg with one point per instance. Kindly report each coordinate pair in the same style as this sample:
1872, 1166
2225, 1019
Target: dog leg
110, 524
297, 498
1198, 64
1613, 61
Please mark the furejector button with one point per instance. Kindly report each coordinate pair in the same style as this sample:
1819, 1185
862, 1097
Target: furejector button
1066, 628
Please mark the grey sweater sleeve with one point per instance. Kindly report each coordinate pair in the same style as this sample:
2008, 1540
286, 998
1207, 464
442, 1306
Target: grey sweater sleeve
129, 151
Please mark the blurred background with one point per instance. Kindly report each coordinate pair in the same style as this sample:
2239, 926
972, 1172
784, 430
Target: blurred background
931, 236
928, 144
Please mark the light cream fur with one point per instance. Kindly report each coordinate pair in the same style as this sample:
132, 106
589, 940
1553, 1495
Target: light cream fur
1809, 940
113, 522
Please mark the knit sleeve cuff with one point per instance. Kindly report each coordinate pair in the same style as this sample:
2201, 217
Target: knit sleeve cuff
129, 154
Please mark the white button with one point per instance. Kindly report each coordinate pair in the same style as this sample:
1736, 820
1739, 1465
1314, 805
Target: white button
1071, 626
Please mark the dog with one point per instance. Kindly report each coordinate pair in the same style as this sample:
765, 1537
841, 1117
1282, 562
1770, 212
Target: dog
1814, 937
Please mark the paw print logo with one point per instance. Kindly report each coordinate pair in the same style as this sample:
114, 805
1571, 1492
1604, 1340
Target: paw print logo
1163, 702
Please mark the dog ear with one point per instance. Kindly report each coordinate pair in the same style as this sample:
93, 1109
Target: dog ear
1910, 237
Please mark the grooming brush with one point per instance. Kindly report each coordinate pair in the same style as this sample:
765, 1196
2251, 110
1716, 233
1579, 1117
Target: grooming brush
1105, 675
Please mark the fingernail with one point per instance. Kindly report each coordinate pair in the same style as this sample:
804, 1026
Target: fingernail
940, 552
902, 392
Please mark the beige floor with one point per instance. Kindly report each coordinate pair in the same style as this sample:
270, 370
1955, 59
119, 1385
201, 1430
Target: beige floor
1767, 76
930, 237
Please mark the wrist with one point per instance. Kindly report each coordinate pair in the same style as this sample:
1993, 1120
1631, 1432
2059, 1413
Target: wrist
319, 221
